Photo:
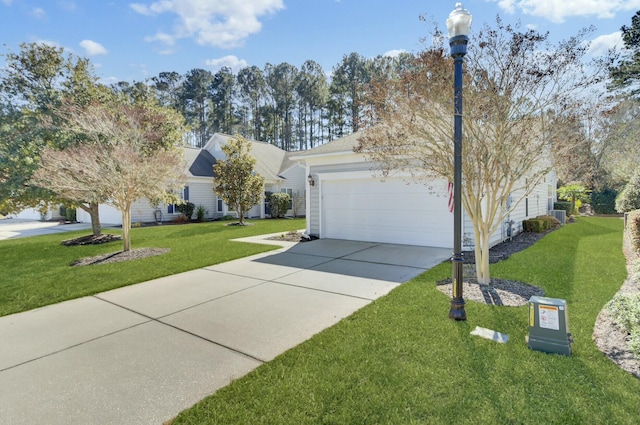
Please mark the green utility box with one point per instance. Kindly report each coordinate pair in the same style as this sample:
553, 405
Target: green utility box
549, 326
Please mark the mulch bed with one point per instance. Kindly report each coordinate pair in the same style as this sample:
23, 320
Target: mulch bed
91, 240
504, 250
114, 257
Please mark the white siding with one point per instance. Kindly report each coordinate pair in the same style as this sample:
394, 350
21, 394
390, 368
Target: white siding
201, 193
313, 216
143, 211
535, 204
52, 213
296, 180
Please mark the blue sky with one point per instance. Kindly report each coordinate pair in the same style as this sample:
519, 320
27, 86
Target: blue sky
135, 40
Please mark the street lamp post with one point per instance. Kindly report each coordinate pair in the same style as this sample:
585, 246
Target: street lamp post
459, 26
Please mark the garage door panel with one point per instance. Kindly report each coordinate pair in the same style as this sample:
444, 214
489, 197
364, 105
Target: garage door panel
389, 211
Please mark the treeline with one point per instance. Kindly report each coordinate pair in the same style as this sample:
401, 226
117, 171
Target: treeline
292, 108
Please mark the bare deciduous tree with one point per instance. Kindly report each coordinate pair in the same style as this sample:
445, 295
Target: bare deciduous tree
127, 157
513, 82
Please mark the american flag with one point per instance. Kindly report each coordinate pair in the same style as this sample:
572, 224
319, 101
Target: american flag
450, 191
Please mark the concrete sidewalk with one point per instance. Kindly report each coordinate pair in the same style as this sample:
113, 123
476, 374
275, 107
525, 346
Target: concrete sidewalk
143, 353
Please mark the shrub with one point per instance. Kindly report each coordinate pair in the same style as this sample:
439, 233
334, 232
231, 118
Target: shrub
533, 225
629, 198
633, 229
635, 271
549, 221
634, 343
279, 203
625, 311
563, 205
186, 209
604, 202
68, 213
201, 211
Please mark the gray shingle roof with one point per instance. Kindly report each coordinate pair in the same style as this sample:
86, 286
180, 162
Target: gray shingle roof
199, 162
344, 144
271, 161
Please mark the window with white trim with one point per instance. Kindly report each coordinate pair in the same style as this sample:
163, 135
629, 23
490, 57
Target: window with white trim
185, 197
289, 192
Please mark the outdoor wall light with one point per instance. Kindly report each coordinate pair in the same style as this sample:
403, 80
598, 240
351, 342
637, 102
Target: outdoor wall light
311, 181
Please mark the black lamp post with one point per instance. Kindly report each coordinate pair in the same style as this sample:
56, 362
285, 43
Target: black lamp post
459, 26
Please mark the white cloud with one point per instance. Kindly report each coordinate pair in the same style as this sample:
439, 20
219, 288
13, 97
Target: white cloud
38, 13
229, 61
141, 9
92, 48
163, 37
6, 2
507, 5
602, 44
558, 10
220, 23
107, 81
394, 53
48, 42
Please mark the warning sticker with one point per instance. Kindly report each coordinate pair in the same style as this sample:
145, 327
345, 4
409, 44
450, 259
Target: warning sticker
548, 317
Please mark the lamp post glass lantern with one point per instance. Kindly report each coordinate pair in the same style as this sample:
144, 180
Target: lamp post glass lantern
458, 26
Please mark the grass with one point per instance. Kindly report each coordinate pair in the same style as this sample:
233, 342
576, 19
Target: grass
36, 270
400, 360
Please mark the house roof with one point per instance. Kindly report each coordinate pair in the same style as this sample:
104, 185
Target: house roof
271, 161
343, 145
199, 162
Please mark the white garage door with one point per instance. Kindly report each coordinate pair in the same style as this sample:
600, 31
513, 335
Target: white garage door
391, 211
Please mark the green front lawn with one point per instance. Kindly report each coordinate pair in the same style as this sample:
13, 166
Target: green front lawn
35, 271
400, 360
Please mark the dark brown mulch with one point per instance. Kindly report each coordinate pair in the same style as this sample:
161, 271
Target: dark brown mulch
114, 257
500, 292
504, 250
91, 240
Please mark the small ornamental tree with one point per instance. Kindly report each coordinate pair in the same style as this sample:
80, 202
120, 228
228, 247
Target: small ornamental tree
516, 85
573, 193
131, 152
236, 181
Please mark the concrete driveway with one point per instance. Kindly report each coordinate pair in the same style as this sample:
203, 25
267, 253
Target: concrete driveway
143, 353
12, 228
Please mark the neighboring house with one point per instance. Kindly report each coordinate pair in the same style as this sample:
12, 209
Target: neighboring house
280, 174
348, 200
52, 212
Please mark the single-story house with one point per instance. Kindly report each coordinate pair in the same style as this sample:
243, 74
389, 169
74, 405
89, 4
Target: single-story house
346, 199
50, 213
274, 164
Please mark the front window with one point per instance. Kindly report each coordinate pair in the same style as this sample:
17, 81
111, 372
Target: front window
289, 192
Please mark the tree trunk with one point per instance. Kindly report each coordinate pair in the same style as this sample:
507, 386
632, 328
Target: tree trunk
92, 209
240, 214
482, 256
126, 229
96, 227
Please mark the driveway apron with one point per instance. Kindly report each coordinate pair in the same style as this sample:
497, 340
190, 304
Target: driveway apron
143, 353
